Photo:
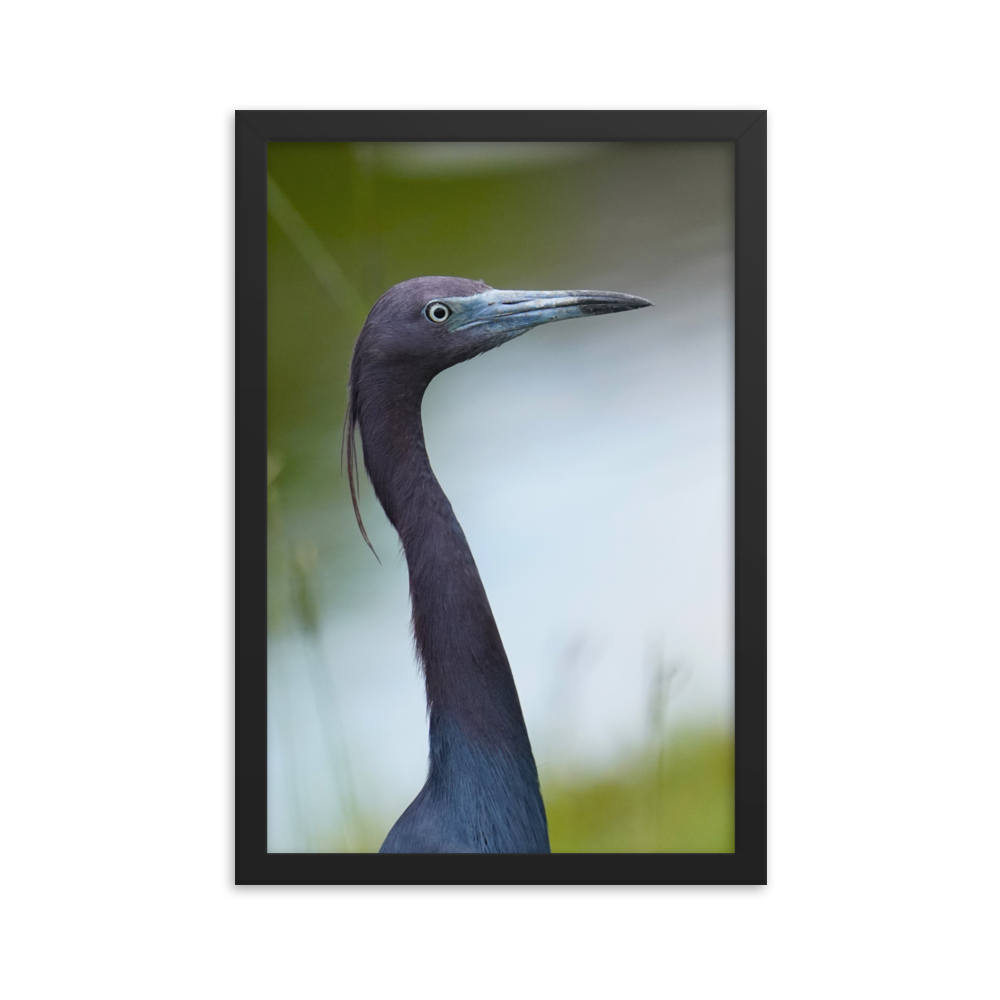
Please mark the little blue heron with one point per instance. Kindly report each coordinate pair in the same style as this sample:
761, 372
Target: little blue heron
481, 793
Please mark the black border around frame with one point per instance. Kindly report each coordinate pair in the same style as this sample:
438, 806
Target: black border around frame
748, 864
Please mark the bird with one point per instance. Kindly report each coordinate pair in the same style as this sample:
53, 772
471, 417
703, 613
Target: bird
482, 793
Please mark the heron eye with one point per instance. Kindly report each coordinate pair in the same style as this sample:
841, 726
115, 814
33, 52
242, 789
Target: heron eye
437, 312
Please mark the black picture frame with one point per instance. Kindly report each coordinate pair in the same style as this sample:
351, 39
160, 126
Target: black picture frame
747, 865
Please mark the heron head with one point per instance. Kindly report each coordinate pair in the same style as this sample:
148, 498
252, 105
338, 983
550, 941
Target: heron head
430, 324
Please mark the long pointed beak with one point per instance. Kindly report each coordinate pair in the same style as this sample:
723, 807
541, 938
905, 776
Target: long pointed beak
499, 315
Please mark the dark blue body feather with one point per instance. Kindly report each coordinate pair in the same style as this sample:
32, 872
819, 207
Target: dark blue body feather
476, 800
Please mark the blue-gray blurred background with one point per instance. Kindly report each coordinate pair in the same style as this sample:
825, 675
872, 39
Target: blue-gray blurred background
589, 462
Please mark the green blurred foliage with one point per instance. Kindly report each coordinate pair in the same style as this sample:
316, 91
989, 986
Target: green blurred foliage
678, 798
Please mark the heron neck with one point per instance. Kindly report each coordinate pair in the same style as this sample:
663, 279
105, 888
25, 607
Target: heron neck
468, 678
